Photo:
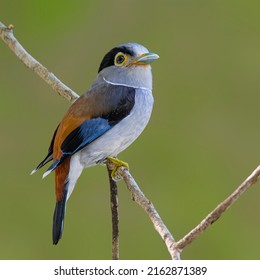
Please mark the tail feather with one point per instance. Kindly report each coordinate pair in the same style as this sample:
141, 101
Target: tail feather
49, 156
61, 190
58, 219
51, 168
41, 164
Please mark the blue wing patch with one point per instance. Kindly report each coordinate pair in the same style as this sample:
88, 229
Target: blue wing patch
80, 137
83, 135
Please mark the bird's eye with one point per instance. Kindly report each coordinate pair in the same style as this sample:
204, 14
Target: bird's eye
120, 59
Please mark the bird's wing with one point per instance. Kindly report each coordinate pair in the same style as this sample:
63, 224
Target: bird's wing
89, 117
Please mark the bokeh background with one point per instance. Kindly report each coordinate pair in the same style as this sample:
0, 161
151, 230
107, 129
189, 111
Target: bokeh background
202, 140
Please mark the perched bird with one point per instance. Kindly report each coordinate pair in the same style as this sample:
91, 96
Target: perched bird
102, 122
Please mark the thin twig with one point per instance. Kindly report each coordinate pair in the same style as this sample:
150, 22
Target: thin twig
6, 33
217, 212
115, 216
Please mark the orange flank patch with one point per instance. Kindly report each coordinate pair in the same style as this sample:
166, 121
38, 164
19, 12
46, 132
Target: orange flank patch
75, 116
68, 124
61, 173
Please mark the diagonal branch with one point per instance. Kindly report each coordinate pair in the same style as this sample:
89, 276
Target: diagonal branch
218, 211
6, 33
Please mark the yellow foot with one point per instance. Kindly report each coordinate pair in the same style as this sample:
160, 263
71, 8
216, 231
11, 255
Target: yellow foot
118, 163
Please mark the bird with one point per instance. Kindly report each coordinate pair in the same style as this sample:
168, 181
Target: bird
101, 123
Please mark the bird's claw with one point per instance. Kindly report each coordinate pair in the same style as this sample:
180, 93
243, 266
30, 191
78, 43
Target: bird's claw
117, 163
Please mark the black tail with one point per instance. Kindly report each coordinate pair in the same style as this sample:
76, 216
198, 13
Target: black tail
49, 157
58, 219
41, 164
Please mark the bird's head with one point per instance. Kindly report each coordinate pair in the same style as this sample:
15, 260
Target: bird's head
128, 64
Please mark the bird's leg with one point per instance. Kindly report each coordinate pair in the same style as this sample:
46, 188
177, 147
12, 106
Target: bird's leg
118, 163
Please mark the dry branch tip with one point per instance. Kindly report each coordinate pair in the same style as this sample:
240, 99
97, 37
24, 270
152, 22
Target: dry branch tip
10, 27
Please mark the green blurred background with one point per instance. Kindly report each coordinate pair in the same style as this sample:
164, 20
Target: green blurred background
202, 140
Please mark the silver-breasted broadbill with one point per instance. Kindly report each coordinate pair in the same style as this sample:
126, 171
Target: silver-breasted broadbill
102, 122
